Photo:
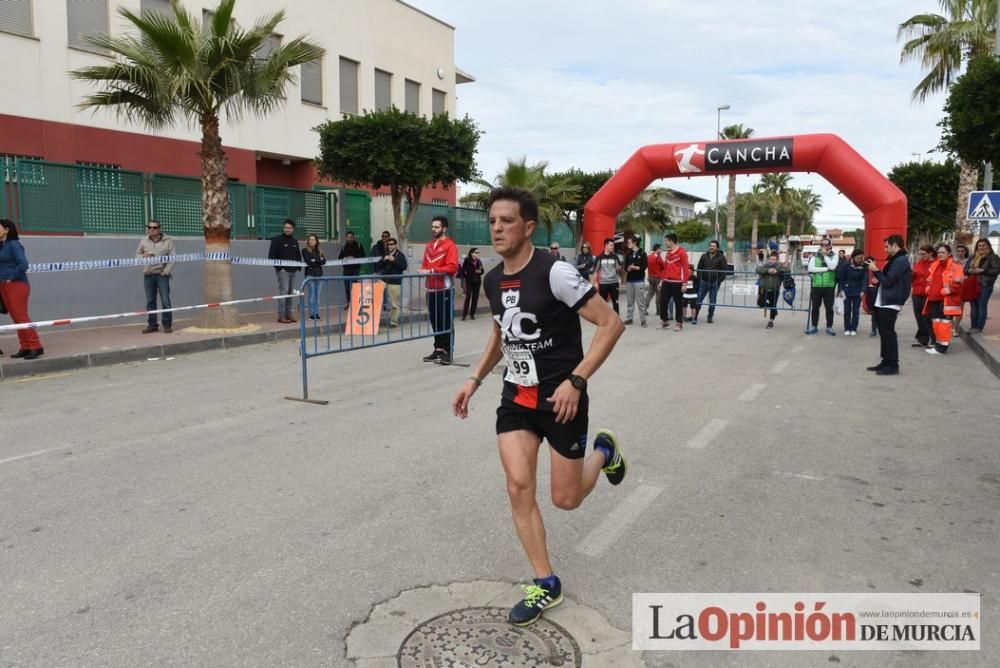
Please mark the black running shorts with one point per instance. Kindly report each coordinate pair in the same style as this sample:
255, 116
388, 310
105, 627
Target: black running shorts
568, 439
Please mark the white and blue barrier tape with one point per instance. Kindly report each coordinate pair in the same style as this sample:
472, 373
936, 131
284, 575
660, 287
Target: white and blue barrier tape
131, 262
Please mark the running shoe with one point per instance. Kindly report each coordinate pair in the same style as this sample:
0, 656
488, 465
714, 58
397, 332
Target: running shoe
434, 356
537, 599
615, 468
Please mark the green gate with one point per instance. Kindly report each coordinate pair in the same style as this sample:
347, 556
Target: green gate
358, 216
176, 202
54, 197
309, 209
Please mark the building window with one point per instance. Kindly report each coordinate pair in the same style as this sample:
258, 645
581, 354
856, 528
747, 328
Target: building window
412, 99
439, 202
348, 86
9, 162
15, 16
312, 82
438, 99
86, 17
383, 90
161, 6
267, 47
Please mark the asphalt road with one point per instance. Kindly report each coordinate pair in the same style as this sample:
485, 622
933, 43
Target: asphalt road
183, 513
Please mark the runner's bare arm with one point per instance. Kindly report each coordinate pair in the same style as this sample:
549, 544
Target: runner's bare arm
565, 400
490, 358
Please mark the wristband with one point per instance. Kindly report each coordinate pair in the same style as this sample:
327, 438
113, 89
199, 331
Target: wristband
479, 381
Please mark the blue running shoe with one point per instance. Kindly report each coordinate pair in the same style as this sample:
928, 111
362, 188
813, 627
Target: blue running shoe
537, 598
616, 466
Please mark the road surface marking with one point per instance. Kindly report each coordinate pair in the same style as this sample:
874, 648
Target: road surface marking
707, 434
26, 456
779, 367
751, 392
614, 525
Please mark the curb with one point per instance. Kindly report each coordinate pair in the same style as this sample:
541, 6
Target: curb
976, 345
15, 369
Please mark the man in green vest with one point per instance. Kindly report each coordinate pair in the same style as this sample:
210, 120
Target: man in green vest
823, 273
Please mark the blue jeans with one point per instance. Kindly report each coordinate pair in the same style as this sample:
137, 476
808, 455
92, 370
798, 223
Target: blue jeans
852, 313
312, 297
979, 306
710, 289
157, 283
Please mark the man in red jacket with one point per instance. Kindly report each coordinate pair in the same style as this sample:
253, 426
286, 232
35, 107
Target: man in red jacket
655, 265
440, 257
675, 274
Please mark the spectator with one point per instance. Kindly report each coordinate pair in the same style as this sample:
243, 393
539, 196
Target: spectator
585, 261
871, 292
894, 280
156, 277
690, 297
635, 280
351, 251
961, 257
608, 270
921, 271
472, 274
381, 246
851, 280
675, 275
655, 267
712, 267
842, 257
391, 268
285, 247
554, 251
15, 290
314, 258
944, 297
771, 277
441, 259
983, 267
822, 270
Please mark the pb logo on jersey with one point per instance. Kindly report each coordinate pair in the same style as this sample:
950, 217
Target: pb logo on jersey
690, 159
510, 298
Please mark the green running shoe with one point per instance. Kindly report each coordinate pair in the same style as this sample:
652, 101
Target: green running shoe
537, 598
617, 467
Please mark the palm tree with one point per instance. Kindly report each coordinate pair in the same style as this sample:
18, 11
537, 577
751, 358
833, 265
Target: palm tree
944, 43
554, 194
756, 201
732, 132
648, 213
174, 68
777, 187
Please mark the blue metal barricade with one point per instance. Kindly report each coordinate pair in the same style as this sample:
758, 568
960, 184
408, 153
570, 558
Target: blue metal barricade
342, 313
741, 289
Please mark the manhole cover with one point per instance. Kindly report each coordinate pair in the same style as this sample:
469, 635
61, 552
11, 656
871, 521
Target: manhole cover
483, 637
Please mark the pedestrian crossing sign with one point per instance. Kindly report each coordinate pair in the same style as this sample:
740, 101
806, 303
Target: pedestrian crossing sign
984, 205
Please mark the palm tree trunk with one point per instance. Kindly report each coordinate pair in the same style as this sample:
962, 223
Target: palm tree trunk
218, 227
967, 181
755, 223
788, 225
731, 219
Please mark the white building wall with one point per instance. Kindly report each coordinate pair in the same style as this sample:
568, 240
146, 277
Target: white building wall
384, 34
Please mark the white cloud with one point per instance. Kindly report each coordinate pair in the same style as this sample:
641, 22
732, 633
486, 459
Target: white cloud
584, 85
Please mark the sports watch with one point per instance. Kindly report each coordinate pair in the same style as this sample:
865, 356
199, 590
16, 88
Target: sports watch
579, 382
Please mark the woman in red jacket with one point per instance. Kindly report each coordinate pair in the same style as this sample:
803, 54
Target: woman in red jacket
944, 297
921, 270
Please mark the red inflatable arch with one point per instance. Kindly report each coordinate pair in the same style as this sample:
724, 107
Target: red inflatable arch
883, 204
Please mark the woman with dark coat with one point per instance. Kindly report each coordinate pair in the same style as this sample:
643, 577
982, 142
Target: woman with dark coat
472, 273
314, 258
14, 289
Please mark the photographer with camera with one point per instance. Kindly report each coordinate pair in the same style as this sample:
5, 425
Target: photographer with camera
894, 280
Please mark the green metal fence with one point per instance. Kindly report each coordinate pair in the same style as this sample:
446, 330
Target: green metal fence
469, 226
309, 209
176, 202
7, 168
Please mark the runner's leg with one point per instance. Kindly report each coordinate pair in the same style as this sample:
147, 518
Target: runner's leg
519, 456
573, 479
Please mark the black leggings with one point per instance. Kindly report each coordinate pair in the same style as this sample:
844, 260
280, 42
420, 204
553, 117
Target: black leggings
824, 295
609, 290
673, 291
471, 295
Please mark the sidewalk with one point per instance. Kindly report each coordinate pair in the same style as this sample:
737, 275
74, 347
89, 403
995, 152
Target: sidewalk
77, 348
987, 344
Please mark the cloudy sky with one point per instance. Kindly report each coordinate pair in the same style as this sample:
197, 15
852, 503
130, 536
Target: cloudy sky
583, 84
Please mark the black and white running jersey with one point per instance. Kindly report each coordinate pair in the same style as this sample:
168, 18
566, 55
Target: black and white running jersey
540, 334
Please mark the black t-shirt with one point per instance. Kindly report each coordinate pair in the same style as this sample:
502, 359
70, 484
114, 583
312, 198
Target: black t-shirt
540, 334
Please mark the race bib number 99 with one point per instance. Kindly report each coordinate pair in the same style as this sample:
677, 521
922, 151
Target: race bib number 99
521, 368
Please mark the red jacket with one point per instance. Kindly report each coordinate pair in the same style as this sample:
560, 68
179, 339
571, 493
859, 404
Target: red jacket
440, 257
921, 270
677, 268
655, 265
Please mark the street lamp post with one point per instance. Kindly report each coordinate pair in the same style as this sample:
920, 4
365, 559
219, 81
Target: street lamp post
718, 135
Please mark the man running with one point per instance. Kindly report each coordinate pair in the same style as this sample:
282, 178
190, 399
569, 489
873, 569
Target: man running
537, 303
